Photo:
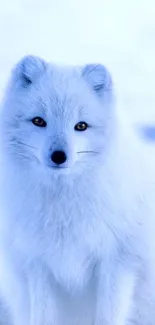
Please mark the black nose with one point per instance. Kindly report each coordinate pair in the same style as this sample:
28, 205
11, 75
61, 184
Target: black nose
58, 157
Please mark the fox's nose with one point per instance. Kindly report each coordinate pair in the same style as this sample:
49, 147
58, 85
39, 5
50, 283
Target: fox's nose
58, 157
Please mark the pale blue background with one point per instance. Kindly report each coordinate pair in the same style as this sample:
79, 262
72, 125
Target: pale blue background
119, 33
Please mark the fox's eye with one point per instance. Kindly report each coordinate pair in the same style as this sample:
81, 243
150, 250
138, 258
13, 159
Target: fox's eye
38, 121
81, 126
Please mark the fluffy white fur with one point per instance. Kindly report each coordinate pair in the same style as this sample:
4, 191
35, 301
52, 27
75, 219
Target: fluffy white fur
76, 242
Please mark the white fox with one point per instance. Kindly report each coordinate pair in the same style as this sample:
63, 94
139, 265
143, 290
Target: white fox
76, 230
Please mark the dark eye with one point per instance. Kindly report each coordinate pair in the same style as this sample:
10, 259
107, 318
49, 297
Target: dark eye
81, 126
38, 121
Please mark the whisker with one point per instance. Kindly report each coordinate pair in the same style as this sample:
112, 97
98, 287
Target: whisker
25, 144
88, 151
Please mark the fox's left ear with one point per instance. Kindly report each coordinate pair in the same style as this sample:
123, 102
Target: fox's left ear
98, 77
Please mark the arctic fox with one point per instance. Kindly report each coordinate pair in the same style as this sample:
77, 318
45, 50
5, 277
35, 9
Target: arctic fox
76, 236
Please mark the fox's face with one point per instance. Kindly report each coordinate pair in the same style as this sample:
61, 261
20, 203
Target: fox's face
56, 118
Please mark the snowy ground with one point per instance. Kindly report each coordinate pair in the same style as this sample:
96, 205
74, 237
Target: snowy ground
119, 33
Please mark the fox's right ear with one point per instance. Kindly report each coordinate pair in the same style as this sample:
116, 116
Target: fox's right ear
28, 69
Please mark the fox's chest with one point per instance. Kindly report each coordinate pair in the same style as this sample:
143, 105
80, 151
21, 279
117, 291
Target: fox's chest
74, 243
70, 251
65, 233
72, 264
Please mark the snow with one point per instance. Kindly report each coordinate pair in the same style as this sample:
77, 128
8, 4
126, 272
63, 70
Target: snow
118, 33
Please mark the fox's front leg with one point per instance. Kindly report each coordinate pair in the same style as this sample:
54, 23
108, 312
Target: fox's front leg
14, 288
43, 303
28, 293
114, 295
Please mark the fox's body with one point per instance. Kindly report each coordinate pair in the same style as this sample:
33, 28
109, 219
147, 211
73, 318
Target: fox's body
75, 246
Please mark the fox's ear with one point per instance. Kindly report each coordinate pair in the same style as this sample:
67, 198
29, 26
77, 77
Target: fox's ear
28, 69
98, 78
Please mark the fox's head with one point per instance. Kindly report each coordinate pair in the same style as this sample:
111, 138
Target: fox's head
57, 119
